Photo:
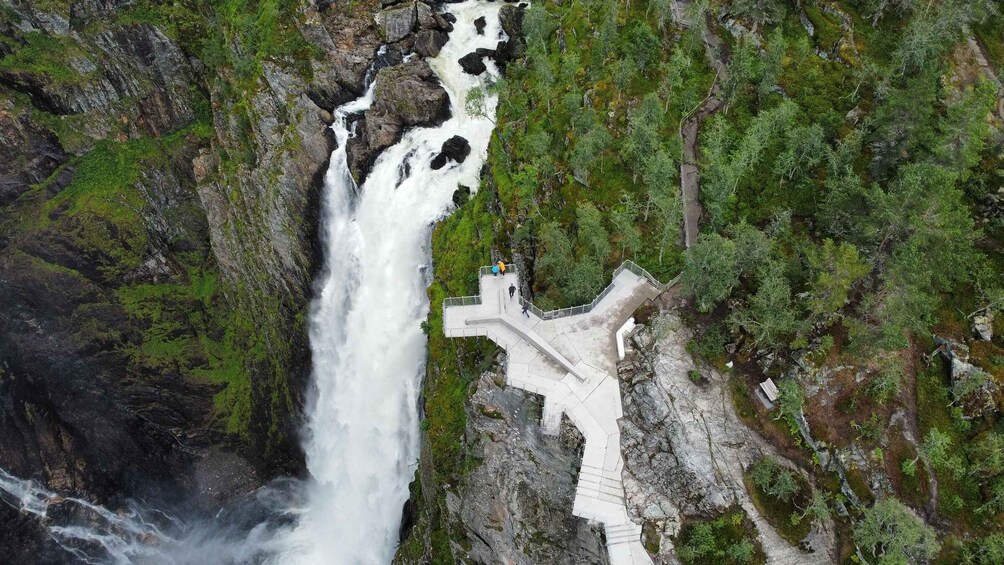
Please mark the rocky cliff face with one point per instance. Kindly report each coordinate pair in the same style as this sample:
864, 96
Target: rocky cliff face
82, 405
685, 448
157, 227
515, 505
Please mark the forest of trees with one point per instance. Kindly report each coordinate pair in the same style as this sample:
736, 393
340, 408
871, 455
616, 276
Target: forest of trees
840, 180
848, 180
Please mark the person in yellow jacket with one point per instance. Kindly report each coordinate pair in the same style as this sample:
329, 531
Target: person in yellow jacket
501, 265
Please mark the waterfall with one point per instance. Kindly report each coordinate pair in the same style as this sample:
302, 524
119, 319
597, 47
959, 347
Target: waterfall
365, 329
369, 353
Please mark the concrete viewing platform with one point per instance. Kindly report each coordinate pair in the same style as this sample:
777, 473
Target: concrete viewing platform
570, 358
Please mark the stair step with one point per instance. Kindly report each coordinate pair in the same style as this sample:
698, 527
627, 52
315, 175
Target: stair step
618, 494
617, 528
610, 498
624, 538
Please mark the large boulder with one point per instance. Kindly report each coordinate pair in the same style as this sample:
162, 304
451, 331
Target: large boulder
425, 17
479, 25
456, 148
506, 52
396, 23
983, 326
473, 64
412, 92
406, 95
429, 42
511, 20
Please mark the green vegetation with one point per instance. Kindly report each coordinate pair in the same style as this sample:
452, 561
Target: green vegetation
842, 227
43, 54
727, 539
575, 203
842, 199
890, 533
785, 499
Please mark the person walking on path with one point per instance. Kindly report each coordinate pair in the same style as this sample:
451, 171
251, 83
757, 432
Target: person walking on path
512, 290
526, 306
495, 270
502, 267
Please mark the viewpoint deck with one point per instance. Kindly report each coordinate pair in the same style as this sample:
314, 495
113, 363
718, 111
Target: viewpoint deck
569, 357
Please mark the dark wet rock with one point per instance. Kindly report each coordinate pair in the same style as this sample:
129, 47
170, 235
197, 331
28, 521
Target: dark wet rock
461, 195
479, 25
511, 49
429, 42
30, 153
406, 95
506, 52
445, 23
473, 64
511, 20
456, 149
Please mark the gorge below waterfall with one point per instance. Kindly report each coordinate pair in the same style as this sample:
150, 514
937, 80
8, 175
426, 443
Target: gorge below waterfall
362, 433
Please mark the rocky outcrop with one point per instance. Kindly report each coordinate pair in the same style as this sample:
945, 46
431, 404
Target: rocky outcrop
515, 506
125, 81
983, 324
684, 447
429, 42
396, 23
473, 64
454, 149
31, 153
405, 96
511, 20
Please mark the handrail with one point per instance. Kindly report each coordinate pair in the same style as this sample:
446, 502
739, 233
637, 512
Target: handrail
572, 310
487, 270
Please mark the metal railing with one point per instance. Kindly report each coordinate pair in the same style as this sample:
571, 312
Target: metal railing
478, 331
487, 270
461, 301
627, 265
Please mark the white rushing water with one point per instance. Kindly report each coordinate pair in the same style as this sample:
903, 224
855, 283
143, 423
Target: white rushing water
368, 346
248, 532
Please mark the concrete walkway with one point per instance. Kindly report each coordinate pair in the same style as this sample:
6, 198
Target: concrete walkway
572, 362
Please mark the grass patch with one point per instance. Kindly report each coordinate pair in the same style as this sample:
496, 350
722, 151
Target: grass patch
43, 54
